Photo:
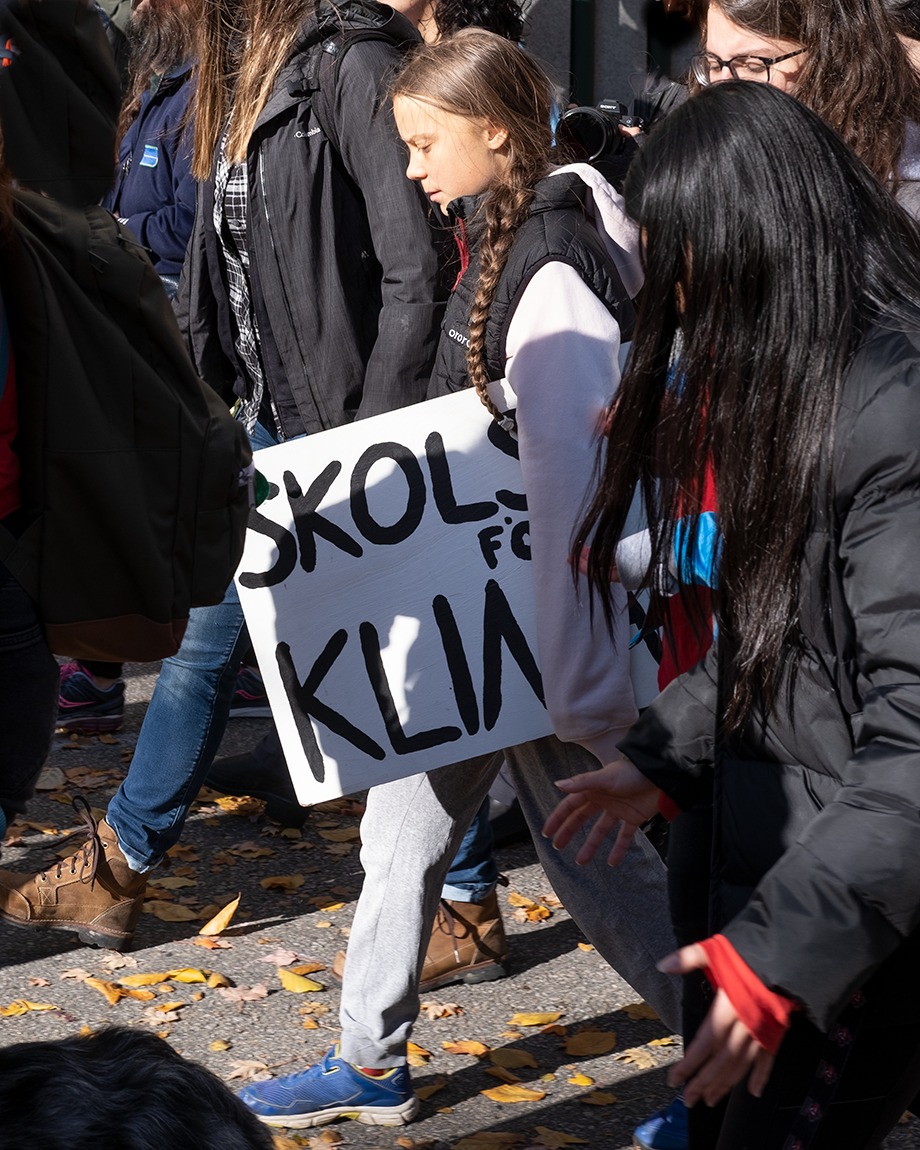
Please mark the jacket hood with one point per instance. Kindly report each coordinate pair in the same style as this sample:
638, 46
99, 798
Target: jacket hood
607, 211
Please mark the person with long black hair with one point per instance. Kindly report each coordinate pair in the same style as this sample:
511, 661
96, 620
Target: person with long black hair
787, 281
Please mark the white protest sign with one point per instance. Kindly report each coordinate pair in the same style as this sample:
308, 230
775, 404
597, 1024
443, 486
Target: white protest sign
387, 587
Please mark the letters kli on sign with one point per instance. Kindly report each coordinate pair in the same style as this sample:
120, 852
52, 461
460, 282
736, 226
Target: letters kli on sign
387, 587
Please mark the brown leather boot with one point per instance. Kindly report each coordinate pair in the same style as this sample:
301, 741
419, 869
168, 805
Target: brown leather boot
467, 944
92, 891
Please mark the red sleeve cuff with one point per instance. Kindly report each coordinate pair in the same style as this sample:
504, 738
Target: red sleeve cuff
764, 1013
667, 807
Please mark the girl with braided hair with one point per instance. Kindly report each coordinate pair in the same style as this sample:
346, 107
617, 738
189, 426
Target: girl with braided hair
548, 270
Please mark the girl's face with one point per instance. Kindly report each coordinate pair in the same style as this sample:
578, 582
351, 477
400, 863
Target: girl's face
449, 155
728, 41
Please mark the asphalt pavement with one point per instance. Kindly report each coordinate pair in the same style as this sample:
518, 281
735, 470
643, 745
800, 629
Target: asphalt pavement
542, 1025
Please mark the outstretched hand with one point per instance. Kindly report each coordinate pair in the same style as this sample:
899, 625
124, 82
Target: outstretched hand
616, 796
723, 1052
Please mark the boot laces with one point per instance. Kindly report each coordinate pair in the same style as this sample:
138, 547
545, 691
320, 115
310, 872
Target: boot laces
90, 851
446, 923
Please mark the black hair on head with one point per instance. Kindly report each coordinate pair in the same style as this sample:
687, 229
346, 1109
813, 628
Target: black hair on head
769, 249
119, 1088
503, 17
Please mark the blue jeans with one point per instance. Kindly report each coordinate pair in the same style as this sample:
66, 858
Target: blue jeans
473, 872
29, 684
182, 729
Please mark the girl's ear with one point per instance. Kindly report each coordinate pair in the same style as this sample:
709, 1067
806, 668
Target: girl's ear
496, 137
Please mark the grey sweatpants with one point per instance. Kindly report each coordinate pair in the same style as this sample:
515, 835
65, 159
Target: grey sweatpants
410, 833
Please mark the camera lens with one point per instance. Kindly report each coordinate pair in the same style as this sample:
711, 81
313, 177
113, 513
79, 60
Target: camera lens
585, 134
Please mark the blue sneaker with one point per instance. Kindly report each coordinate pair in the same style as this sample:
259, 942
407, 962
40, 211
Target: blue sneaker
333, 1089
666, 1130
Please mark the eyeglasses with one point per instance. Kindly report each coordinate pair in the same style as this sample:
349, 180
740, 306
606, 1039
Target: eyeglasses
706, 66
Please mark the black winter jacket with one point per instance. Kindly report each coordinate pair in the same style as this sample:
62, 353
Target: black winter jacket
343, 257
816, 855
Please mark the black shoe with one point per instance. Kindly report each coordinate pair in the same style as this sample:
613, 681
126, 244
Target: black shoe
263, 778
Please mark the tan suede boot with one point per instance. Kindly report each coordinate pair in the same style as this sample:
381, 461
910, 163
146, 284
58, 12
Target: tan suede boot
93, 891
467, 944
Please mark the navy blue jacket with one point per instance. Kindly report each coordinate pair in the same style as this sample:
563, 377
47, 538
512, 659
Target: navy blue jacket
154, 192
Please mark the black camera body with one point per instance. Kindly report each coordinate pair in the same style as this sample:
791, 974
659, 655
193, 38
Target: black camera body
592, 134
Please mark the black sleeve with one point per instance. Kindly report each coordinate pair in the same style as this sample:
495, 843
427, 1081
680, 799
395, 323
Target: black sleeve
846, 895
59, 99
405, 243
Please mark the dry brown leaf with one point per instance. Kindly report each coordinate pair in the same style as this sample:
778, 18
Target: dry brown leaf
512, 1058
220, 1044
637, 1056
211, 943
243, 994
639, 1011
599, 1098
251, 850
513, 1093
537, 913
430, 1088
535, 1019
338, 850
555, 1029
113, 992
435, 1010
221, 920
249, 1071
75, 972
34, 980
173, 882
170, 1007
314, 1008
501, 1074
282, 882
23, 1006
340, 835
591, 1042
411, 1144
152, 979
325, 925
169, 911
281, 957
489, 1140
581, 1080
296, 983
467, 1046
280, 1142
118, 961
556, 1140
305, 967
327, 1138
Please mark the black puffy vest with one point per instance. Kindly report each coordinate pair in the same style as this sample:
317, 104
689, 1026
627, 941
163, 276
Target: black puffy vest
558, 229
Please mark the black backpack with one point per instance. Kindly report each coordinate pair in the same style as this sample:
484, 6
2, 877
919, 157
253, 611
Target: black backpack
135, 478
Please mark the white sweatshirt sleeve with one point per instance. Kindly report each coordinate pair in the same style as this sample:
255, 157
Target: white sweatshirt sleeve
562, 365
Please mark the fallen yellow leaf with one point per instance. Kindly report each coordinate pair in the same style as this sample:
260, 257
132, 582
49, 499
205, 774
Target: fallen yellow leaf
424, 1092
556, 1140
210, 943
513, 1093
221, 921
144, 979
669, 1040
307, 968
221, 1044
169, 911
501, 1074
113, 992
282, 882
23, 1006
587, 948
598, 1098
489, 1140
591, 1042
535, 1019
168, 1007
414, 1048
637, 1056
515, 899
581, 1080
637, 1011
279, 1142
310, 1024
512, 1058
467, 1046
296, 983
216, 979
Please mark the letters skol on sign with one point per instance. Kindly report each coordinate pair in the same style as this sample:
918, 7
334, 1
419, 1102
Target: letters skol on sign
387, 586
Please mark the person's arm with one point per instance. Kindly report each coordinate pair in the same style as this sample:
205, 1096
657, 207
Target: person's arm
562, 365
404, 237
847, 890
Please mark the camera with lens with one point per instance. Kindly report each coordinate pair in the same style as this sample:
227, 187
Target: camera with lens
592, 134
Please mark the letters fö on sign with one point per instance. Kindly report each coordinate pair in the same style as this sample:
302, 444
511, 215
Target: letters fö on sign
386, 582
